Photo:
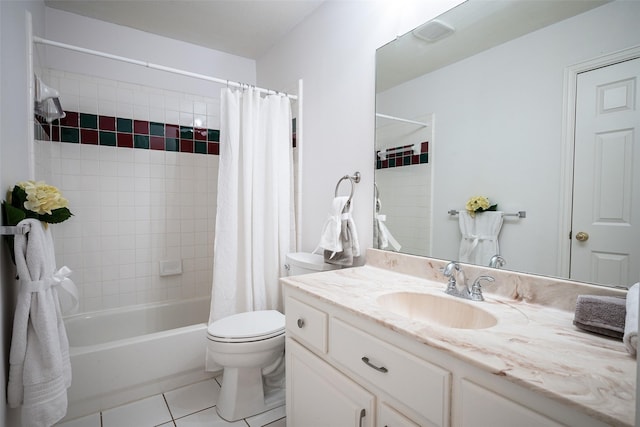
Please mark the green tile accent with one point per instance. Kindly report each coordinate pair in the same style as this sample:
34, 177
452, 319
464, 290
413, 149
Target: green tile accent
69, 134
171, 144
156, 129
406, 160
200, 147
88, 121
392, 163
107, 138
141, 141
124, 125
186, 132
213, 135
424, 158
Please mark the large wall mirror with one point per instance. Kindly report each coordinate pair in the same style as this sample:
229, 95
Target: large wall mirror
494, 98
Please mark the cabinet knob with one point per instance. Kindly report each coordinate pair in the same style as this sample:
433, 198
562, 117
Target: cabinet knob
300, 323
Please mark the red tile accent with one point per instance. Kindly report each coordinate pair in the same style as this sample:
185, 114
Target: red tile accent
72, 119
385, 164
186, 146
171, 131
415, 159
55, 133
213, 148
125, 140
424, 147
88, 136
156, 142
107, 123
141, 127
200, 134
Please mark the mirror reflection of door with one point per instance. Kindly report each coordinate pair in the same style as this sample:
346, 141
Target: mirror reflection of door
606, 194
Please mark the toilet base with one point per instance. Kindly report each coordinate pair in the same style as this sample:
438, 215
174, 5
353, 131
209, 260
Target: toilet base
242, 394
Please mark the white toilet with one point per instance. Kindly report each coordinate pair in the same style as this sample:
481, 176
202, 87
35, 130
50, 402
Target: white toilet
250, 348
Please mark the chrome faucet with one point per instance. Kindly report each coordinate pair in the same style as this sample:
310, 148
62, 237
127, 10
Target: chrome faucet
497, 261
454, 288
453, 271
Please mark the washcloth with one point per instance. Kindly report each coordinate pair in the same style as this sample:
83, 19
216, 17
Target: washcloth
603, 315
39, 366
630, 337
479, 236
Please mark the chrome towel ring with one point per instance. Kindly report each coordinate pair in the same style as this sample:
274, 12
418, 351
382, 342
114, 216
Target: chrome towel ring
353, 179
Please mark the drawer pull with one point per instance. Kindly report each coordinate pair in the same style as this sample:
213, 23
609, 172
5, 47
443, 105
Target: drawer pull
363, 413
300, 323
382, 369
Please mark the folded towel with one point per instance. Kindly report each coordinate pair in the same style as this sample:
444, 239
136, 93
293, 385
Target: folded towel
630, 337
330, 237
39, 367
602, 315
479, 236
381, 234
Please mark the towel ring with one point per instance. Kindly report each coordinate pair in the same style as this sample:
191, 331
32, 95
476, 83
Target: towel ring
353, 179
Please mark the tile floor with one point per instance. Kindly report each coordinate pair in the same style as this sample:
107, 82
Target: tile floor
189, 406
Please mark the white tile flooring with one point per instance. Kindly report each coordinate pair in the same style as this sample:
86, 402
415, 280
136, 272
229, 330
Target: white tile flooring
189, 406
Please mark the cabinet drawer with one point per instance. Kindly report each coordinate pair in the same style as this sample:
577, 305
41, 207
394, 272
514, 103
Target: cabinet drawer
417, 384
306, 324
389, 417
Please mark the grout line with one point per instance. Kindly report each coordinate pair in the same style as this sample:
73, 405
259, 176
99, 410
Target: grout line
169, 409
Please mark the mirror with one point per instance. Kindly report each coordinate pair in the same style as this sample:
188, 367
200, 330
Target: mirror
483, 96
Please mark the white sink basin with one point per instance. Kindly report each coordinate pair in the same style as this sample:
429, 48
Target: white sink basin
438, 309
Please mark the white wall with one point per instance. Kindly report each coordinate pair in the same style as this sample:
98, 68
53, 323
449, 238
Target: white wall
513, 156
333, 51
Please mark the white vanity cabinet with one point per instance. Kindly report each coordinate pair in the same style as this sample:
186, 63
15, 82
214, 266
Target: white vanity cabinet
347, 370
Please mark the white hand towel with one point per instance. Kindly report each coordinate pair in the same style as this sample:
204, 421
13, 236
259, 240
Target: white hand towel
348, 242
39, 367
479, 236
382, 235
630, 337
330, 237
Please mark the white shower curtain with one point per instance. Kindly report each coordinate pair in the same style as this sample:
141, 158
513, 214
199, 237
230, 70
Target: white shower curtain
255, 222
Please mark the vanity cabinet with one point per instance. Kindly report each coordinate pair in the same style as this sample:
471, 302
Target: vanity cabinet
347, 370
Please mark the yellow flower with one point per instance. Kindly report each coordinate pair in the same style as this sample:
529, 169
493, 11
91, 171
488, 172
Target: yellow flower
477, 203
42, 198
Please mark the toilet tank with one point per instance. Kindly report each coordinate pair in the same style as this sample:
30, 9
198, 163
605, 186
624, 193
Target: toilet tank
304, 262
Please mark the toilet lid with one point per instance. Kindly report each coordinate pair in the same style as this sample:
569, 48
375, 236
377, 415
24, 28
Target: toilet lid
249, 326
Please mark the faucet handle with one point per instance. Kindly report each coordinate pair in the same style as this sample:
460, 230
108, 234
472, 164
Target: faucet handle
476, 288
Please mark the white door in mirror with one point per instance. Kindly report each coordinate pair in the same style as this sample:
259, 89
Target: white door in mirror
605, 247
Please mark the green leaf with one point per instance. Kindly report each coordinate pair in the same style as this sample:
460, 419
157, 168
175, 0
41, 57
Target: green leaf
57, 216
18, 197
14, 215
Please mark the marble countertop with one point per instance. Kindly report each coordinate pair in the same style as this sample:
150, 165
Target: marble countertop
533, 345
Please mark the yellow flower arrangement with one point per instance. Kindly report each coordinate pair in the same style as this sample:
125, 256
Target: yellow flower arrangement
31, 199
479, 204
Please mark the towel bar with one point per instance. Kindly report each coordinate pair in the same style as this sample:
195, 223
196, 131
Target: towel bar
519, 214
12, 230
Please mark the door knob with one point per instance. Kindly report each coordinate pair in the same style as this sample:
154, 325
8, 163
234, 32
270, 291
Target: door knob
581, 236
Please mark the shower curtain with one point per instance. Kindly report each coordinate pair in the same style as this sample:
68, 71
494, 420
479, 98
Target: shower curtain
255, 221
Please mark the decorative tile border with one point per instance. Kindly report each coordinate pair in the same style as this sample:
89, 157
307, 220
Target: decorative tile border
404, 156
84, 128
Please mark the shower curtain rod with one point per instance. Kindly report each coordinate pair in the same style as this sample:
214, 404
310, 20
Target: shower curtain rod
153, 66
400, 119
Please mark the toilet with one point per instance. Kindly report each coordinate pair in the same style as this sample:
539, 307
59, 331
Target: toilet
250, 348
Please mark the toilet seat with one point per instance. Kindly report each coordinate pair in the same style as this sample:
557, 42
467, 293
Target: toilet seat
247, 327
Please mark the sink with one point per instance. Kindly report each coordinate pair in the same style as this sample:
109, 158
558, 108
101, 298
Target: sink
439, 309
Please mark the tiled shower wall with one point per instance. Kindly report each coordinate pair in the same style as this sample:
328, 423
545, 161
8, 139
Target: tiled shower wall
133, 207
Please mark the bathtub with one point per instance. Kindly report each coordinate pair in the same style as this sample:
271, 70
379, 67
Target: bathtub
122, 355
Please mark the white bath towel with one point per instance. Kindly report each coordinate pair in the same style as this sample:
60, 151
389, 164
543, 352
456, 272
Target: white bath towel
479, 236
39, 367
630, 337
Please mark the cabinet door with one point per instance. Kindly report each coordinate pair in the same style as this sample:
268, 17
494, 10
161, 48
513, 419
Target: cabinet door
320, 396
482, 407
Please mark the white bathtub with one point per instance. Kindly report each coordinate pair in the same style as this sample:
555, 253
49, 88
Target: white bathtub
121, 355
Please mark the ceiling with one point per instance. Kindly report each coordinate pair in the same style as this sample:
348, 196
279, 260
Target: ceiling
479, 25
247, 28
